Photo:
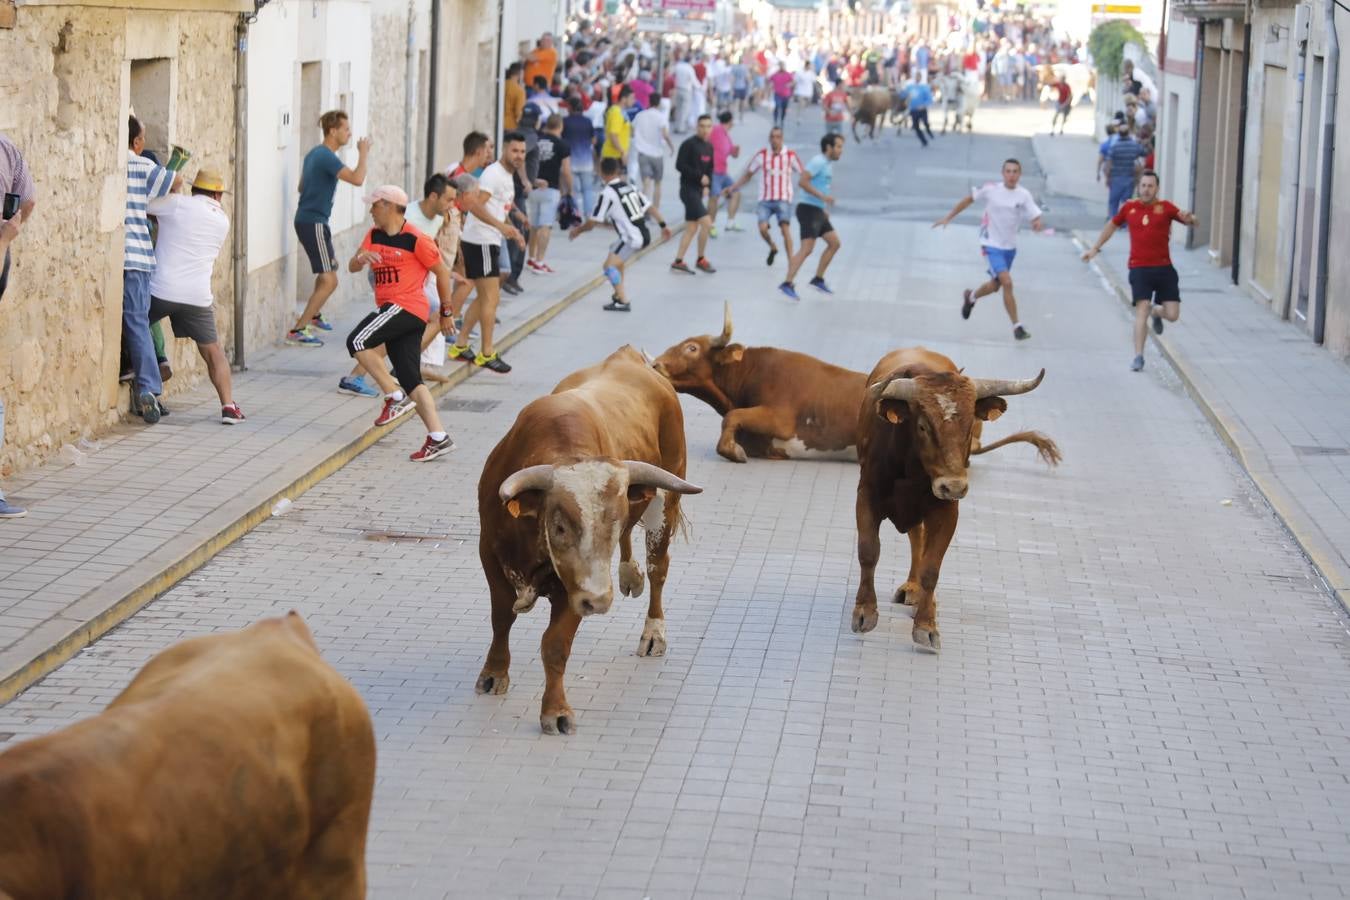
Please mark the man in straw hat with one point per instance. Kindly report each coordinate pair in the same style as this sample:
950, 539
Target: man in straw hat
191, 232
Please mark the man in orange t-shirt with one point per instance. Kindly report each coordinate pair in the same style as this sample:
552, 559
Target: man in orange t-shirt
400, 257
542, 61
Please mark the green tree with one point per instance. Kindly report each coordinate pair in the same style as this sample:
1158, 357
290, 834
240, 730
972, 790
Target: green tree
1107, 45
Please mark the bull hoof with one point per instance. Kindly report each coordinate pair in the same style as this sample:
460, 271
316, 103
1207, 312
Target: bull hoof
492, 683
564, 722
653, 640
927, 639
907, 593
631, 580
735, 453
524, 604
864, 620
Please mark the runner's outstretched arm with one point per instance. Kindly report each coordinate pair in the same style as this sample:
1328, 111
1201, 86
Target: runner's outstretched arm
956, 211
1105, 236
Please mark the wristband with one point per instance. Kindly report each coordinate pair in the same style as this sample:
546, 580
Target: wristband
447, 313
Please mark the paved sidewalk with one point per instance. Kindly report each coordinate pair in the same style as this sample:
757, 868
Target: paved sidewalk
105, 537
1276, 398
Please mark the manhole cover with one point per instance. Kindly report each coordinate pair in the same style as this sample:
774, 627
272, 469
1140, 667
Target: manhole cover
464, 404
405, 537
1322, 451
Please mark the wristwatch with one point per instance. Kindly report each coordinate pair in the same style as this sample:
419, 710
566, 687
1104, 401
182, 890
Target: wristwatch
447, 313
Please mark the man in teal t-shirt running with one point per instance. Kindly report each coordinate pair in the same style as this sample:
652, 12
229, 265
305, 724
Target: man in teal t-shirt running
812, 217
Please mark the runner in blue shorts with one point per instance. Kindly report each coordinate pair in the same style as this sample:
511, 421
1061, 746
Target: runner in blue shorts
1006, 206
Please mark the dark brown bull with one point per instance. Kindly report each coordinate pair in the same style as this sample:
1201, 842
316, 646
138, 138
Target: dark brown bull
233, 766
871, 108
914, 436
573, 476
779, 404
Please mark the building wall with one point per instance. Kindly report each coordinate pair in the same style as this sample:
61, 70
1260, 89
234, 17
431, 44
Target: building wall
1176, 112
1337, 335
467, 87
65, 91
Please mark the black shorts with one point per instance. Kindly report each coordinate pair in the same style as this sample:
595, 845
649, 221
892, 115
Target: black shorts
318, 243
401, 334
188, 321
813, 221
481, 260
1156, 284
692, 198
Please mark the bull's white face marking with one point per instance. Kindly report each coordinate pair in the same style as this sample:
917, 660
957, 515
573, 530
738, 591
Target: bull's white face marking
796, 448
586, 484
948, 407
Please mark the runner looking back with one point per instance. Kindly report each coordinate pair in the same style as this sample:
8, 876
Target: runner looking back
1006, 205
815, 182
627, 210
1153, 278
780, 168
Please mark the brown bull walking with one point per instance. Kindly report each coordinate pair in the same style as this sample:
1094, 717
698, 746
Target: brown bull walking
574, 475
235, 766
914, 436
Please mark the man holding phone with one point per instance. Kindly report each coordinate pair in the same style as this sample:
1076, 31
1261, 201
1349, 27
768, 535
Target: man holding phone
20, 196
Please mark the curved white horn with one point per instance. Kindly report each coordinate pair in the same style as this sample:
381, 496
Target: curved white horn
899, 389
651, 360
657, 477
994, 387
725, 337
531, 478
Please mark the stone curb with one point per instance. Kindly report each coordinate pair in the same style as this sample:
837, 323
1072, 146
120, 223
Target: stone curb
121, 601
1286, 507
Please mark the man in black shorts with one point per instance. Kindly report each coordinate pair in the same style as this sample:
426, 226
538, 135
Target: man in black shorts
694, 161
1153, 278
400, 257
812, 217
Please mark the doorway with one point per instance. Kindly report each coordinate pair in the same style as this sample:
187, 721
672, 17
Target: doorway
1266, 264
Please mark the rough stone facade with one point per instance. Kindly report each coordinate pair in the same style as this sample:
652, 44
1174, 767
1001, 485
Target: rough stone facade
65, 92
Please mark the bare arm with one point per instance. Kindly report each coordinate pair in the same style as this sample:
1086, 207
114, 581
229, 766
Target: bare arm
956, 211
26, 210
475, 204
361, 259
1108, 230
357, 176
740, 182
804, 182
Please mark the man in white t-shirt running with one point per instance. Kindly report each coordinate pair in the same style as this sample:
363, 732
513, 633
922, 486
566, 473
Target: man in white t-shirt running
627, 210
651, 137
1006, 206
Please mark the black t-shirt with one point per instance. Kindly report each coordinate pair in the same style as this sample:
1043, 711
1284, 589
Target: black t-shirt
694, 161
552, 151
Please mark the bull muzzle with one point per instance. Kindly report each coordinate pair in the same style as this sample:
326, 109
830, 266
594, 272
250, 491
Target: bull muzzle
953, 487
593, 604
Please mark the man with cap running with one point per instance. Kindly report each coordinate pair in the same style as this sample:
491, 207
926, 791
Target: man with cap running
400, 257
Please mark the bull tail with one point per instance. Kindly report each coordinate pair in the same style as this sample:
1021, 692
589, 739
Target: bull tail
1048, 449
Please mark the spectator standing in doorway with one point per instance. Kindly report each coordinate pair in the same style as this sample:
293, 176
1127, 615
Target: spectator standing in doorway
14, 179
514, 96
319, 176
555, 179
146, 181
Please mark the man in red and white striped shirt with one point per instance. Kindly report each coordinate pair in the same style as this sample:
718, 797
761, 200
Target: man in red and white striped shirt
780, 168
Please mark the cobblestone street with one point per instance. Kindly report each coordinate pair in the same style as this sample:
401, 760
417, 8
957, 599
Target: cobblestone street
1142, 686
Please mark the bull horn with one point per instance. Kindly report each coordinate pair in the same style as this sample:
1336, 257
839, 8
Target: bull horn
651, 360
896, 389
994, 387
531, 478
725, 337
657, 477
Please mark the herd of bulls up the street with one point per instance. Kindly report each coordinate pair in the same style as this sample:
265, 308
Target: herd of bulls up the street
113, 806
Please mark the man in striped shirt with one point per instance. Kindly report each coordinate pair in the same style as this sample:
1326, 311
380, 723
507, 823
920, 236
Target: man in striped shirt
146, 181
780, 168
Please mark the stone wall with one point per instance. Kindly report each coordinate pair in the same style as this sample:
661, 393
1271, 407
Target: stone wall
64, 95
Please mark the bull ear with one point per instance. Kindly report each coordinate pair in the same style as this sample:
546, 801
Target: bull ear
990, 408
893, 411
525, 505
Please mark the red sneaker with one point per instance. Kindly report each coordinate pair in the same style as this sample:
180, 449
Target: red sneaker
231, 415
432, 449
394, 409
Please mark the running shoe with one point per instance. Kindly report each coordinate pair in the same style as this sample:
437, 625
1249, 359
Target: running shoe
432, 449
463, 354
773, 254
147, 405
819, 284
617, 305
967, 303
1137, 365
321, 323
394, 409
679, 266
512, 287
1157, 324
163, 410
297, 338
704, 266
544, 268
493, 363
712, 232
10, 511
231, 415
356, 384
734, 227
1021, 333
533, 266
165, 370
787, 288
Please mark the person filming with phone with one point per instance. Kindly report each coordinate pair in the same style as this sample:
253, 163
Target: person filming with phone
20, 196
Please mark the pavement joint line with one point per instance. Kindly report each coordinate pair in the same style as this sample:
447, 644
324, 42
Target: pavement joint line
82, 634
1286, 508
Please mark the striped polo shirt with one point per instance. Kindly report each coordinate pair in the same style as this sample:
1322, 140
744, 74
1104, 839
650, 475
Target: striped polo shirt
145, 182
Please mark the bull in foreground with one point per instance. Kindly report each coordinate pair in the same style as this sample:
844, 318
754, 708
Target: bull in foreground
914, 434
574, 475
780, 404
233, 766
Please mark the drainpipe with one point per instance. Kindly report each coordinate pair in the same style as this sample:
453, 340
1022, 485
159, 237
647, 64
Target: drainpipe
498, 78
1300, 36
1195, 123
240, 188
1332, 66
1242, 146
434, 78
409, 104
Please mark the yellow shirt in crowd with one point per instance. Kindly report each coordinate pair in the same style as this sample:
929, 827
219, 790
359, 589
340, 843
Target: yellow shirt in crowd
617, 124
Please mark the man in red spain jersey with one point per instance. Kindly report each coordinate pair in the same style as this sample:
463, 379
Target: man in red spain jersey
779, 168
400, 257
1153, 279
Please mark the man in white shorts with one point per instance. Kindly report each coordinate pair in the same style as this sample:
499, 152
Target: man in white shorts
627, 210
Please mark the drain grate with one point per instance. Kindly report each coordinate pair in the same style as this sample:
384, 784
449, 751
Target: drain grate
1322, 451
405, 537
464, 404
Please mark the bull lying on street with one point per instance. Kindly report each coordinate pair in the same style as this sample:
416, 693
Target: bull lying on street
233, 766
573, 476
780, 404
914, 433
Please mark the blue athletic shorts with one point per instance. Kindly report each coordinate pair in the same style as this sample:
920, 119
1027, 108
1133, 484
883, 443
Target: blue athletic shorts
999, 260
